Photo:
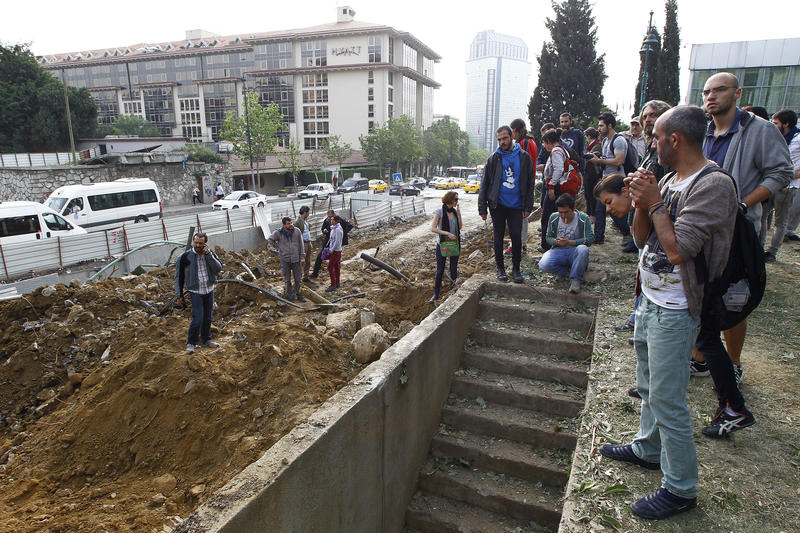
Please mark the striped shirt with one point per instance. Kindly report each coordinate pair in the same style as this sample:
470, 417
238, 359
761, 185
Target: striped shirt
202, 276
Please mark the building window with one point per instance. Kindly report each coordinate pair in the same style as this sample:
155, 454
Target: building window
315, 80
374, 49
371, 126
370, 94
409, 57
273, 56
391, 50
391, 94
371, 110
314, 53
371, 76
391, 77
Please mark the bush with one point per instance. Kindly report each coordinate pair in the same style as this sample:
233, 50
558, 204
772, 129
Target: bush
200, 154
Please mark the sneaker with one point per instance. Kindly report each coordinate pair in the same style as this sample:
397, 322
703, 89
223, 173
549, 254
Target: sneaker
501, 275
727, 421
516, 276
791, 237
289, 297
433, 299
211, 344
699, 369
630, 341
574, 285
307, 280
630, 248
661, 504
190, 348
300, 297
507, 251
625, 453
737, 371
634, 393
627, 326
769, 257
330, 289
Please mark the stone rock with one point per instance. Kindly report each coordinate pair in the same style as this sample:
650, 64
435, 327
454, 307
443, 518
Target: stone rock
195, 363
369, 343
74, 378
477, 254
404, 327
345, 322
367, 318
189, 386
158, 499
68, 303
257, 412
47, 292
197, 490
165, 484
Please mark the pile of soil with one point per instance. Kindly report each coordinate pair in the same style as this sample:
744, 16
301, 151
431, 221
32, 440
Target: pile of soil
107, 424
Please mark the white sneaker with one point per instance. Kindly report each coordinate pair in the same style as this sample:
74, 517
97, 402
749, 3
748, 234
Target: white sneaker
190, 348
574, 285
211, 344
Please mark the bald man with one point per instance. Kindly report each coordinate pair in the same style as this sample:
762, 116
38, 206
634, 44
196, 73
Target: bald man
754, 152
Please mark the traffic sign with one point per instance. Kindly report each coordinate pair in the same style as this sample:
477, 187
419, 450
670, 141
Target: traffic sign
397, 177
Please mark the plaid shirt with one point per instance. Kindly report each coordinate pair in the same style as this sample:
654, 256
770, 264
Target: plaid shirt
202, 276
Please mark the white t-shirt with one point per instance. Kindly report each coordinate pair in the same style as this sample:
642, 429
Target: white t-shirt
569, 230
620, 145
660, 279
794, 153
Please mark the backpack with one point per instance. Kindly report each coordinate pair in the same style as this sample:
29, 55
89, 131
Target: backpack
631, 162
574, 180
730, 298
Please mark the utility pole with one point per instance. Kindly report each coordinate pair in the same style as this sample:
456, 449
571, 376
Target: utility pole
249, 141
69, 118
649, 46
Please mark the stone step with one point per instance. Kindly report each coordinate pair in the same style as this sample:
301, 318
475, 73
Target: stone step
519, 363
536, 315
539, 295
510, 423
435, 514
505, 389
542, 341
518, 459
499, 493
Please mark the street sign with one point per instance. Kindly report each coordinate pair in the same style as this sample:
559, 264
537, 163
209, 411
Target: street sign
397, 177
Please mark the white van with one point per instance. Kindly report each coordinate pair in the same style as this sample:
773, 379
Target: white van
28, 221
104, 205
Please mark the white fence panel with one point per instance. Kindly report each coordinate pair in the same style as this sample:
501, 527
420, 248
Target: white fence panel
21, 258
77, 248
216, 221
240, 219
178, 226
143, 232
116, 241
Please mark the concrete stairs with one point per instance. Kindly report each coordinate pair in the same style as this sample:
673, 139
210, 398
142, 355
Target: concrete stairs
500, 461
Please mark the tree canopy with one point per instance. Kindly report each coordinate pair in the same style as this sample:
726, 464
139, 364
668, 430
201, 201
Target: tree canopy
130, 125
446, 144
571, 74
397, 144
33, 116
336, 150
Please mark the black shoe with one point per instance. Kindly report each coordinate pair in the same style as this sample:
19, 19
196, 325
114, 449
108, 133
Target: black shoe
625, 453
289, 297
769, 257
300, 298
792, 237
724, 424
630, 341
599, 241
501, 275
699, 369
516, 276
661, 504
630, 248
330, 289
634, 393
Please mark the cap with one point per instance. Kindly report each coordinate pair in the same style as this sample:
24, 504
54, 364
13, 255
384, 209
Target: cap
635, 119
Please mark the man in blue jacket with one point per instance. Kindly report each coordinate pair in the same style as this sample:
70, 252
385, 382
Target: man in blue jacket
197, 269
507, 190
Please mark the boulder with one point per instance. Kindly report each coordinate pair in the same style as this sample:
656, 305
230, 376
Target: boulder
367, 318
165, 484
369, 343
345, 322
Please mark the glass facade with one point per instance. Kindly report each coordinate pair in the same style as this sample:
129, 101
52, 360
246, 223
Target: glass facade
409, 57
273, 56
314, 53
773, 88
315, 110
409, 98
374, 49
218, 99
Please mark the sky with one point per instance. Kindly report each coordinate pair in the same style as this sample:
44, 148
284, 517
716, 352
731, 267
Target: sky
446, 26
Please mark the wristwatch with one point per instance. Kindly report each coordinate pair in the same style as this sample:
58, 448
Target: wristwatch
743, 207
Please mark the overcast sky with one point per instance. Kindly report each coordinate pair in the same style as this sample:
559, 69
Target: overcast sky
448, 27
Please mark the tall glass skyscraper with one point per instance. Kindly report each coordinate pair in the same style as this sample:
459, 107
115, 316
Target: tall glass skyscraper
497, 85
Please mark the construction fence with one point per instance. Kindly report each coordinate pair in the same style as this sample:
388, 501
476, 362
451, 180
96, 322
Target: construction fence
32, 257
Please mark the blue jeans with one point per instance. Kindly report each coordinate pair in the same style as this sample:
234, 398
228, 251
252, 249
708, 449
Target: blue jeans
202, 306
561, 260
663, 339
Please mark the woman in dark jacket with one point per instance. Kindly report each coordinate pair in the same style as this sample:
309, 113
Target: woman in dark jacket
447, 224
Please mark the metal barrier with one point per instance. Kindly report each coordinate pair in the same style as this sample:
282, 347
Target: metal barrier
45, 159
19, 259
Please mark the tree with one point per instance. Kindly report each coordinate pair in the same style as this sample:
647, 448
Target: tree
668, 71
316, 161
377, 146
398, 143
291, 160
446, 144
32, 110
478, 156
130, 125
652, 59
264, 125
571, 74
336, 150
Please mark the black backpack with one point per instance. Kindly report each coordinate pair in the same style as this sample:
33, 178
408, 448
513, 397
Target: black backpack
728, 299
631, 163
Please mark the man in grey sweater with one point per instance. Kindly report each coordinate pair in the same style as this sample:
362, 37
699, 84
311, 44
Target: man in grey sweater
690, 211
289, 243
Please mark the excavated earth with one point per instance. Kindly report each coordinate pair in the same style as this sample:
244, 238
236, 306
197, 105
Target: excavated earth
107, 424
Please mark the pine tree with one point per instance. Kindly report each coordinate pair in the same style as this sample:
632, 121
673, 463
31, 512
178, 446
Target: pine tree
668, 71
571, 74
653, 78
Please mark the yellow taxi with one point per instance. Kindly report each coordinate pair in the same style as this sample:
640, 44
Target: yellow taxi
378, 185
443, 183
459, 182
472, 186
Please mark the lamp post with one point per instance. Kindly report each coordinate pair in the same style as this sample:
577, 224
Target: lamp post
249, 140
649, 46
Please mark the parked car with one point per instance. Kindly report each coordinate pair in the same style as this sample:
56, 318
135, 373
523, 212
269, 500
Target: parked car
377, 185
404, 189
319, 191
458, 182
238, 199
354, 185
29, 221
418, 182
436, 179
447, 183
473, 185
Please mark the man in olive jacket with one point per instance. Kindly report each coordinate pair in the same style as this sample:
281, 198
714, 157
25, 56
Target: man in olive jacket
289, 243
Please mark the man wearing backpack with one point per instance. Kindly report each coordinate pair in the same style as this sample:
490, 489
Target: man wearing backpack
755, 154
691, 212
615, 151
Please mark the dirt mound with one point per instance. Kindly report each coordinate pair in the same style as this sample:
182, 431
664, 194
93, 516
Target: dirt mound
109, 425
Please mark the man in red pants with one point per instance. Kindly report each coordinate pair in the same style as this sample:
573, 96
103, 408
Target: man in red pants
335, 256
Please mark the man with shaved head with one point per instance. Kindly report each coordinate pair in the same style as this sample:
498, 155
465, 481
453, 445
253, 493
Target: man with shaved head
754, 152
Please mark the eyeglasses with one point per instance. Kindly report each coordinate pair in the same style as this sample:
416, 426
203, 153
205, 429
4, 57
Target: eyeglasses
716, 90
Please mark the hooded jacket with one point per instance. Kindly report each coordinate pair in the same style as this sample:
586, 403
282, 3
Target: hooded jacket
489, 192
290, 247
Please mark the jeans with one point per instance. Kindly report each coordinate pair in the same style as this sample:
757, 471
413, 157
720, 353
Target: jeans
307, 264
784, 200
663, 340
334, 267
440, 261
794, 214
500, 216
719, 363
599, 221
548, 208
202, 306
288, 269
560, 260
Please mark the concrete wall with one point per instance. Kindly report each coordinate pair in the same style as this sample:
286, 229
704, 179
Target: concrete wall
353, 465
175, 182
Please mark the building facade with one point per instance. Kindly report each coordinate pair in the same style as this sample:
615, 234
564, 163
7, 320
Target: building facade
340, 79
497, 85
768, 71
